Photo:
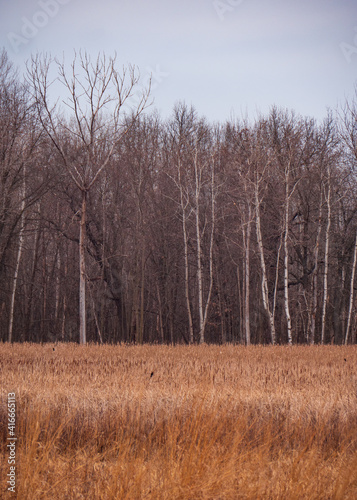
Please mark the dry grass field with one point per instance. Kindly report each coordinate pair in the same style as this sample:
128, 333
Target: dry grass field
199, 422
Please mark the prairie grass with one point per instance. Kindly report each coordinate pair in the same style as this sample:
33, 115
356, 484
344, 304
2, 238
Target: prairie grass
184, 422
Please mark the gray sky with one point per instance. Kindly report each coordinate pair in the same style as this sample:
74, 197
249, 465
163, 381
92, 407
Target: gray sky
229, 58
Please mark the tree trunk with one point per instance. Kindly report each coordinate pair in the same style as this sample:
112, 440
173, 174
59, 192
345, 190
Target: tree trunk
265, 294
64, 309
187, 286
18, 257
82, 271
286, 258
142, 296
324, 303
29, 301
315, 275
208, 300
351, 292
16, 274
160, 325
277, 276
203, 308
246, 237
198, 249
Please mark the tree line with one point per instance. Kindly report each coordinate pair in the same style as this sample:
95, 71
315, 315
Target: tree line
119, 226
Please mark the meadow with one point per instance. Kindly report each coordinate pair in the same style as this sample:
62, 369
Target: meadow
180, 422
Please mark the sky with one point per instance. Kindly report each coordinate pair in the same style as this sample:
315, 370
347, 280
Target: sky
230, 59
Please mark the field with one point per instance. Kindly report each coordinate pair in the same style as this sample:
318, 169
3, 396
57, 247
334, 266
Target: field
185, 422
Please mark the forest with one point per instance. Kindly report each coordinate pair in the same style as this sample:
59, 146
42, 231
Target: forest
119, 226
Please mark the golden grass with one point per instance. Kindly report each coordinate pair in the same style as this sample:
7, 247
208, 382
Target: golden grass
212, 422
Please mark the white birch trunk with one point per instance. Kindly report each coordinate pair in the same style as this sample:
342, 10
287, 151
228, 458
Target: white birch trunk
265, 294
213, 209
187, 286
203, 306
314, 276
198, 249
185, 242
277, 275
327, 244
247, 277
286, 258
16, 274
351, 292
18, 259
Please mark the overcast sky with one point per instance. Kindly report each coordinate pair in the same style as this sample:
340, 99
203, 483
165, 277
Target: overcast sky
228, 58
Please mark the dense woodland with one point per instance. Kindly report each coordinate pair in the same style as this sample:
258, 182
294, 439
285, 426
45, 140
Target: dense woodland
119, 226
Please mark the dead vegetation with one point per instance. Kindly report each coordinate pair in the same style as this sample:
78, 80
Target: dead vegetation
198, 422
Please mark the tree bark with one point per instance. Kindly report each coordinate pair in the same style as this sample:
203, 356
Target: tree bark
203, 308
315, 275
82, 272
16, 274
265, 293
351, 292
327, 243
198, 248
246, 237
18, 257
286, 257
187, 286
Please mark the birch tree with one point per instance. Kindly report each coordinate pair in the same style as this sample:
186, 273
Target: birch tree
327, 252
265, 289
18, 257
287, 146
19, 140
248, 214
195, 181
329, 155
184, 203
261, 163
348, 136
286, 253
315, 273
246, 241
350, 305
203, 303
177, 142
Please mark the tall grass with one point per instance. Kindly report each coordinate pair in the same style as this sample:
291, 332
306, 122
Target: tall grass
198, 422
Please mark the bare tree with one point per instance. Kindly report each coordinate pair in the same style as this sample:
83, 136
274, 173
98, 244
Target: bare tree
86, 137
199, 184
19, 139
259, 177
194, 178
184, 203
179, 141
348, 136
